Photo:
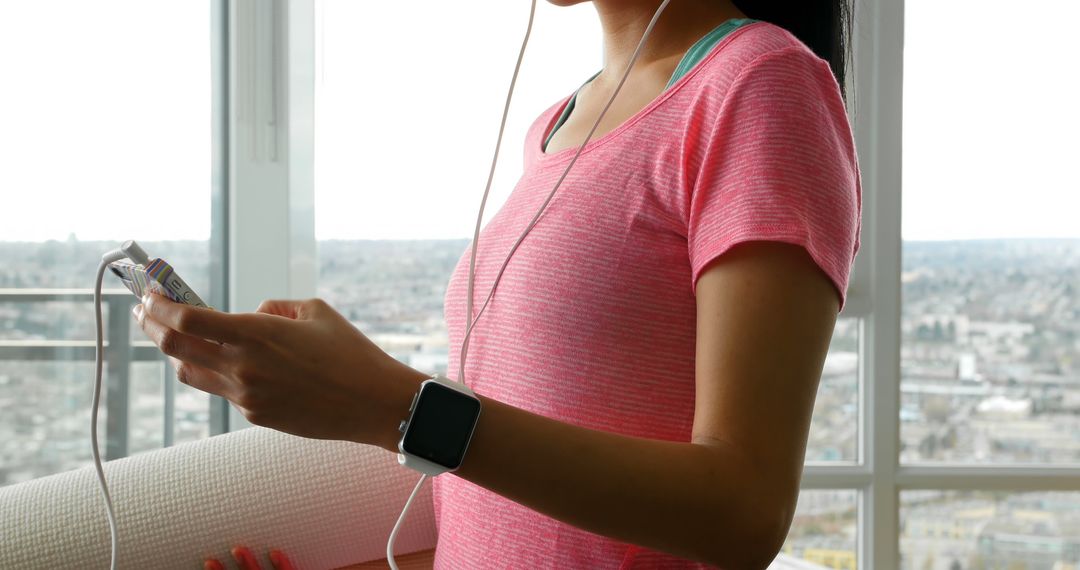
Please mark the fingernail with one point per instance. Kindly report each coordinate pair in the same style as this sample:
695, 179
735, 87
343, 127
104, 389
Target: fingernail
244, 557
137, 310
146, 298
275, 557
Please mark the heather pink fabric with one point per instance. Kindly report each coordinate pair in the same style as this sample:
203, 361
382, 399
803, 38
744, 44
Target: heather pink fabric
593, 322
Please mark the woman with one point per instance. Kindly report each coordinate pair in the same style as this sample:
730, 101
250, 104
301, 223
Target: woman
648, 367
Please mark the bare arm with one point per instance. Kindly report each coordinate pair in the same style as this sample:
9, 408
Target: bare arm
765, 316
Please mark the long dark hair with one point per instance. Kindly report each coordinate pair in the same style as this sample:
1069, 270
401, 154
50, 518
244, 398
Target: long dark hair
823, 25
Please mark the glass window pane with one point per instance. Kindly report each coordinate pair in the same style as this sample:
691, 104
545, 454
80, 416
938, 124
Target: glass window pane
191, 409
954, 530
45, 419
834, 429
823, 531
388, 243
393, 291
991, 252
406, 155
106, 114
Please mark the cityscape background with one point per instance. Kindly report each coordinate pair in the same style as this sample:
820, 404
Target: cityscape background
990, 374
989, 328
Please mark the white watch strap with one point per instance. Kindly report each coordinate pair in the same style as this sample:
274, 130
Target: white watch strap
418, 463
452, 384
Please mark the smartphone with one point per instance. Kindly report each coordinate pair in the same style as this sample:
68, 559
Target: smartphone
157, 276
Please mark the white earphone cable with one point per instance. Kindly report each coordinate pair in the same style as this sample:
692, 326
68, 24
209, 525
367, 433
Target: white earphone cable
472, 263
483, 201
480, 216
397, 525
476, 234
108, 258
117, 254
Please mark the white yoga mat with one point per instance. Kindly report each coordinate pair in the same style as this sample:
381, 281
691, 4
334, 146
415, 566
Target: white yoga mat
326, 504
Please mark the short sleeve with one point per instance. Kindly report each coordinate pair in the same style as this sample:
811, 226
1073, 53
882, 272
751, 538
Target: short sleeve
778, 164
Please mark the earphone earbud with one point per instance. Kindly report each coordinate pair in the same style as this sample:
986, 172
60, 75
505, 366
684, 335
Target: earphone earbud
135, 253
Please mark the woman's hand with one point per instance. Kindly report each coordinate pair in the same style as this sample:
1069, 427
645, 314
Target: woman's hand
245, 560
294, 366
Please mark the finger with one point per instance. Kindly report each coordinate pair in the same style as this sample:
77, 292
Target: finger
201, 378
182, 346
196, 321
245, 558
280, 561
295, 309
281, 307
213, 564
243, 411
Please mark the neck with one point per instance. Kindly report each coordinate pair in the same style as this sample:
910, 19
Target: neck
682, 23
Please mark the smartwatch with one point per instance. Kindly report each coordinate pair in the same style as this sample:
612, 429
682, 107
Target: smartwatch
442, 418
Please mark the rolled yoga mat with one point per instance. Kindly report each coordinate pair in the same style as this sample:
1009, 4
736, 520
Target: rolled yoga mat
326, 504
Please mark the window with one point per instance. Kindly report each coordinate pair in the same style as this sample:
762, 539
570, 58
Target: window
986, 470
834, 428
376, 114
990, 361
389, 233
950, 396
978, 529
824, 529
107, 136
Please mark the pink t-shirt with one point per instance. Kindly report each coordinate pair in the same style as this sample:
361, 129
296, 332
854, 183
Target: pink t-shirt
594, 321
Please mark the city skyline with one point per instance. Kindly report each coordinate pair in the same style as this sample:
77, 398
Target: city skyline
990, 374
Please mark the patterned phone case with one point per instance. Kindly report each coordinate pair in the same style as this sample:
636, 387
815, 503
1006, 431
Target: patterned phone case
158, 277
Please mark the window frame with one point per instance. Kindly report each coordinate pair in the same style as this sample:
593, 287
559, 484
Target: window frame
219, 203
267, 262
878, 37
270, 211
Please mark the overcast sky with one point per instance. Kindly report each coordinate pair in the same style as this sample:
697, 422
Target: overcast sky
104, 115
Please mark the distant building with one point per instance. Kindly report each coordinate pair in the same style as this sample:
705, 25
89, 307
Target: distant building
827, 558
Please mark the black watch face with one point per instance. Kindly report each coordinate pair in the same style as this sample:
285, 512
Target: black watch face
441, 425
